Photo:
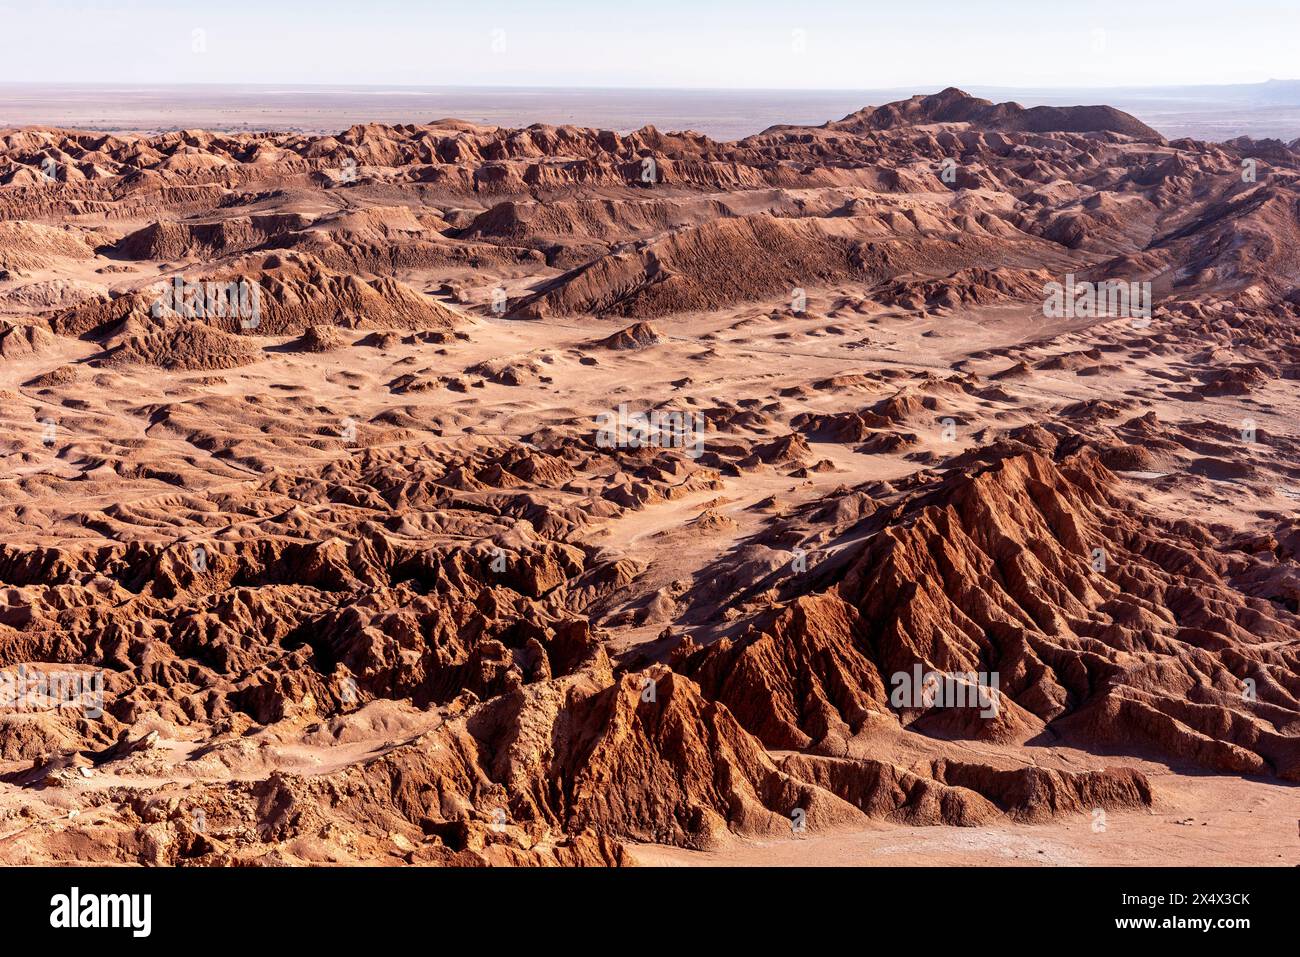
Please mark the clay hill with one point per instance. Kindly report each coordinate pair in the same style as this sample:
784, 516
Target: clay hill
457, 495
954, 106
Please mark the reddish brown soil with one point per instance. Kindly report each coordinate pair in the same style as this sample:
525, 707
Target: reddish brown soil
365, 585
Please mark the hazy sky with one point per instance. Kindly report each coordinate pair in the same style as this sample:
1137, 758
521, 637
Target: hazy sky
809, 44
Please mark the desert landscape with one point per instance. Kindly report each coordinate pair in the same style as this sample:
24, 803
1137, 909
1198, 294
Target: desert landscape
920, 487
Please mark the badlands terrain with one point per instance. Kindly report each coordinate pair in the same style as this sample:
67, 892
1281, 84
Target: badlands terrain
366, 583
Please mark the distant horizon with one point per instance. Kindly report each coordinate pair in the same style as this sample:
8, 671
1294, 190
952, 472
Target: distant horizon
1213, 112
920, 88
